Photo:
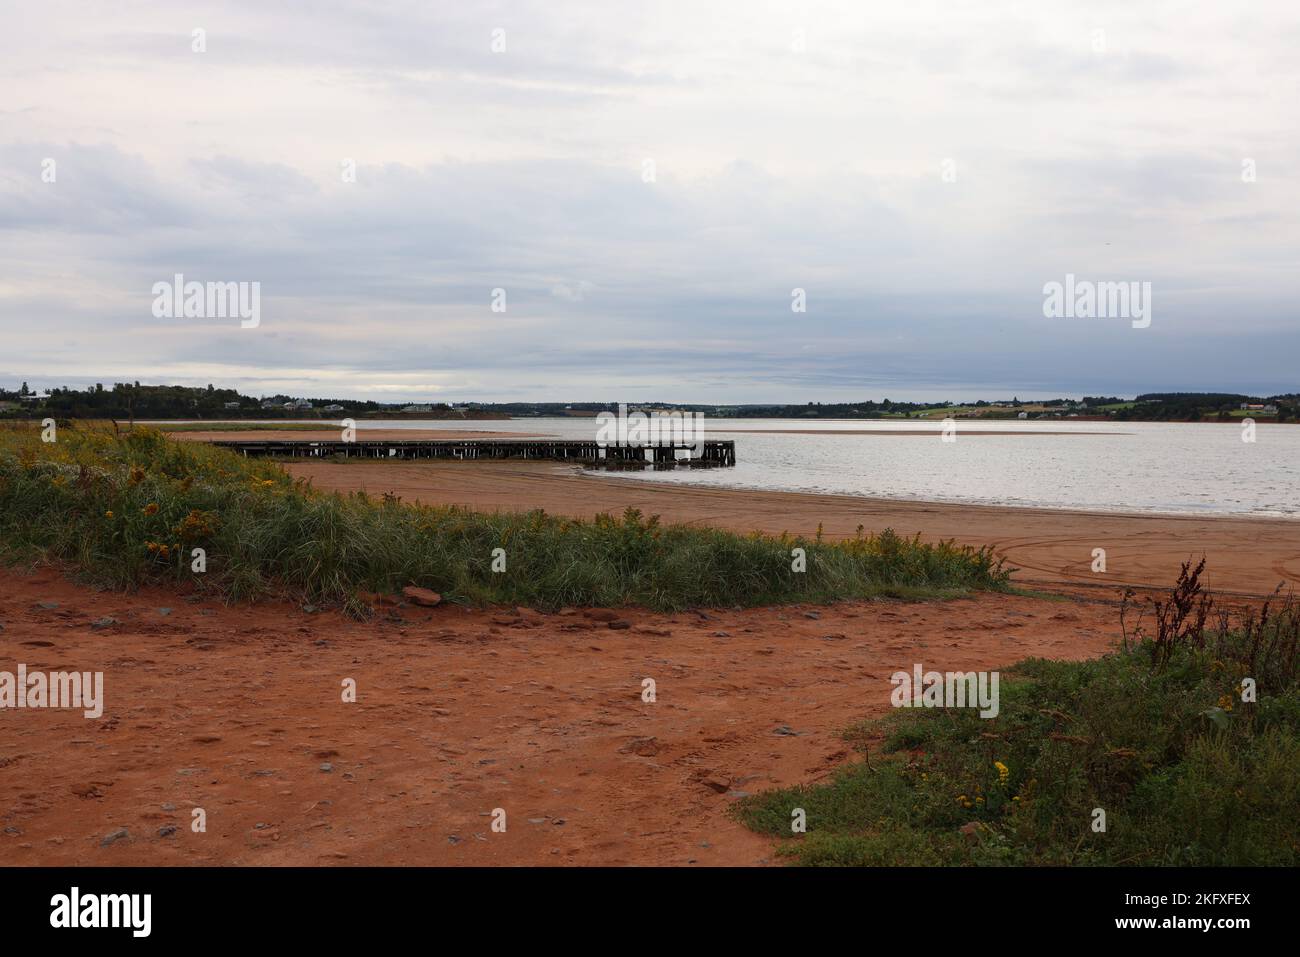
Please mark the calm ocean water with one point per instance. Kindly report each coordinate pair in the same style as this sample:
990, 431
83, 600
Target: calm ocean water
1178, 468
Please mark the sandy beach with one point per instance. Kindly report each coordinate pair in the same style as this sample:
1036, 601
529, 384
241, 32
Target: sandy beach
1246, 556
463, 711
237, 710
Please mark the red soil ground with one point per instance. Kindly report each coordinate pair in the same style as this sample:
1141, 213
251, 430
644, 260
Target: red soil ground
237, 710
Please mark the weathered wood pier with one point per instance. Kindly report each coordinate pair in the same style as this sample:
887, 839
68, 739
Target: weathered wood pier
662, 455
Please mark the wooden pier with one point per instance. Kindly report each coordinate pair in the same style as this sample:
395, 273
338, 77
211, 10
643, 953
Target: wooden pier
663, 455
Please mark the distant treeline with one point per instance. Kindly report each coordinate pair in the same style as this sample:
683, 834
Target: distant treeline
1202, 406
131, 400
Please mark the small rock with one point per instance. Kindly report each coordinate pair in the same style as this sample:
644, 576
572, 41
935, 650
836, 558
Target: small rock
105, 622
785, 730
327, 767
812, 614
310, 609
47, 605
167, 830
169, 807
622, 624
717, 784
164, 612
645, 747
121, 834
421, 596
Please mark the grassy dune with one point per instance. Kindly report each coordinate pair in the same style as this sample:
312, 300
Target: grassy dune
128, 509
1156, 735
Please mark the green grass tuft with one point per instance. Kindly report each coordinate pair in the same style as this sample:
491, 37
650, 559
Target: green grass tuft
1156, 734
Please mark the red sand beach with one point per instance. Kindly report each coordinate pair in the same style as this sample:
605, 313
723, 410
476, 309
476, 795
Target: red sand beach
237, 710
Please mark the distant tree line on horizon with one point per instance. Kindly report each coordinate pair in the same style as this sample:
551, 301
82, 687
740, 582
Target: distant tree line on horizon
131, 400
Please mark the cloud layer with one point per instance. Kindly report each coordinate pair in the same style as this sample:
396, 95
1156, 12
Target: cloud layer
648, 185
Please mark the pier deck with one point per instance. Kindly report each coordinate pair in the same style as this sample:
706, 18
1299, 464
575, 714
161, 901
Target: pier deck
664, 455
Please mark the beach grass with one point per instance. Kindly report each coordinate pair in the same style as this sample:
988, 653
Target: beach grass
123, 510
1156, 736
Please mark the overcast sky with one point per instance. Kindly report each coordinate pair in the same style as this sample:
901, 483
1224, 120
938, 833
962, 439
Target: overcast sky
920, 169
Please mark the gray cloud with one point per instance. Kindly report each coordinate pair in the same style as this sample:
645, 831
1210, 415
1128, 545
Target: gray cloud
774, 170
